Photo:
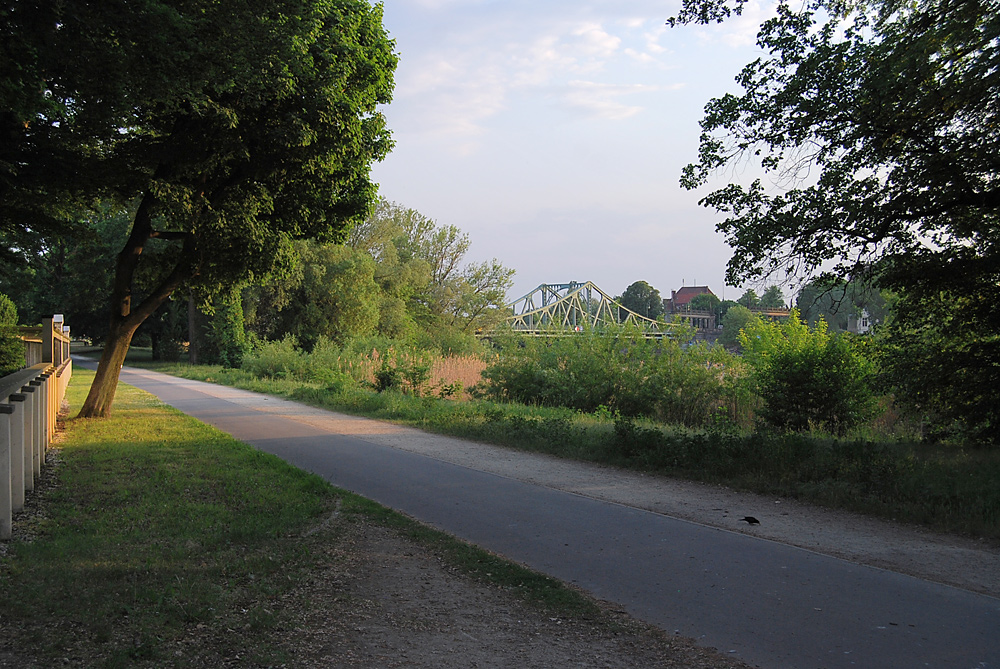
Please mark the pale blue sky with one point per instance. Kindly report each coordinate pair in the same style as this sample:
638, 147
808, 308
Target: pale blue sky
553, 132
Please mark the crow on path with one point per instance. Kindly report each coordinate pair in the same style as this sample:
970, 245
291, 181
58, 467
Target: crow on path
750, 520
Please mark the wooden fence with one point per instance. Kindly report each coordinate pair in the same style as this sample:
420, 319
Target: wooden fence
29, 404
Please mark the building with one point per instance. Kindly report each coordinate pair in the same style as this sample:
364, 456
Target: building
679, 299
679, 304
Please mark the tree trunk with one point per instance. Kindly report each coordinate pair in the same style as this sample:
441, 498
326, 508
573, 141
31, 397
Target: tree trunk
126, 317
102, 390
192, 331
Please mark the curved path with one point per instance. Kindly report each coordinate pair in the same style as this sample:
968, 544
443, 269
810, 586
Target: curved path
768, 603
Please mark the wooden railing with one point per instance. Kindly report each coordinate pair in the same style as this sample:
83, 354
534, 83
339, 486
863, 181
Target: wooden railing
29, 405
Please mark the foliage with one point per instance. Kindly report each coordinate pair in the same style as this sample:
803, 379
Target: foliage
330, 292
225, 128
400, 276
736, 318
877, 120
643, 299
66, 274
749, 299
772, 298
226, 338
381, 364
620, 370
892, 108
836, 301
943, 368
11, 346
705, 302
807, 377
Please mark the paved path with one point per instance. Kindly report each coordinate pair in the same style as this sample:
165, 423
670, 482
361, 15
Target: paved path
768, 603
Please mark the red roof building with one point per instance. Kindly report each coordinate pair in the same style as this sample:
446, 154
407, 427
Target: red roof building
679, 299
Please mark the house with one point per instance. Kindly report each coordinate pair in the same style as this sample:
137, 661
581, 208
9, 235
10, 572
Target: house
679, 304
679, 299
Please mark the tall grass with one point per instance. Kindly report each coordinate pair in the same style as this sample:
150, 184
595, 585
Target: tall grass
420, 371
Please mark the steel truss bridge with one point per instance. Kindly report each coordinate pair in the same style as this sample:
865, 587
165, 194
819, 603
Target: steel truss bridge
555, 309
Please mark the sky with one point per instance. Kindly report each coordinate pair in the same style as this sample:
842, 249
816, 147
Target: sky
554, 132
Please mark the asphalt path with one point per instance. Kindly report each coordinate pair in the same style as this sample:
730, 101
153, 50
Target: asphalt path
767, 603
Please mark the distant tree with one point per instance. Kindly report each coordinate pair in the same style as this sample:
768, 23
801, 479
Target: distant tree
772, 298
330, 292
705, 302
736, 319
836, 301
643, 299
749, 299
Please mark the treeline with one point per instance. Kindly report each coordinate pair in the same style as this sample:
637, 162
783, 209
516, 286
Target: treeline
399, 275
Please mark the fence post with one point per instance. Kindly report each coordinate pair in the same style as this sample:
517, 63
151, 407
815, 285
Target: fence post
30, 435
48, 420
18, 448
6, 511
38, 429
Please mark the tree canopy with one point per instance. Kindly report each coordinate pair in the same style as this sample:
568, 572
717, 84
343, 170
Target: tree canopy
228, 129
873, 128
643, 299
879, 124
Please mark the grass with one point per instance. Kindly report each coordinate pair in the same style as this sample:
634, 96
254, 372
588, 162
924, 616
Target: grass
943, 487
155, 525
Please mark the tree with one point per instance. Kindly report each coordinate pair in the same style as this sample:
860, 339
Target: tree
749, 299
705, 302
736, 318
878, 120
330, 292
893, 108
772, 298
643, 299
229, 127
11, 346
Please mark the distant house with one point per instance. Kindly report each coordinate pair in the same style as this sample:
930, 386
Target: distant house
679, 299
679, 304
859, 323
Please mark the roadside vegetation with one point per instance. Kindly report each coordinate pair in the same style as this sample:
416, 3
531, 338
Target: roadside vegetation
799, 413
157, 539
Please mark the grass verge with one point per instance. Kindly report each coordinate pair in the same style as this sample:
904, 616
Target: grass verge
946, 488
153, 525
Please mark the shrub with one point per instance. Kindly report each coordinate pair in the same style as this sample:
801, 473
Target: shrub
669, 379
808, 378
11, 346
277, 359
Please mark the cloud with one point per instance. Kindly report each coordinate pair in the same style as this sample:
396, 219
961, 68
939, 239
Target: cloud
472, 71
603, 101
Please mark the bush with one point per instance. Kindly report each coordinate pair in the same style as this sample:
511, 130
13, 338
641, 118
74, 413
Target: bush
11, 346
808, 378
621, 370
277, 360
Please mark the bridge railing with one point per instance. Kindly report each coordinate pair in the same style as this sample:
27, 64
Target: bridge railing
30, 399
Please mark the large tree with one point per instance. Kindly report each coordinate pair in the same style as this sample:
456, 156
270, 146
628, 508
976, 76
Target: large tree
643, 299
873, 125
882, 126
230, 127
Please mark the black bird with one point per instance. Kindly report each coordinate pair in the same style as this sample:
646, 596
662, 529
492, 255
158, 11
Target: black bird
750, 520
